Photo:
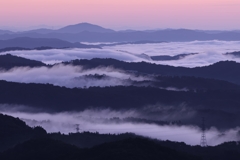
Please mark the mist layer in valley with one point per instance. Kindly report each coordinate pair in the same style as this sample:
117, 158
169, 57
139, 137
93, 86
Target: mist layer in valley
72, 76
115, 122
196, 53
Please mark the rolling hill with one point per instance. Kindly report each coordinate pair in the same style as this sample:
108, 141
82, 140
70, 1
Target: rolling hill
31, 43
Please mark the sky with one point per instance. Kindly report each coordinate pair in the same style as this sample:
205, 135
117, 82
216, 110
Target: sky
121, 14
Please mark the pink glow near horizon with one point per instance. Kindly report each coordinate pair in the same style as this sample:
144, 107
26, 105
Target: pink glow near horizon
120, 14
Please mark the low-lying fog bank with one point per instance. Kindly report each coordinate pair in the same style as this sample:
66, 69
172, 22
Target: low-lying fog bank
71, 76
104, 121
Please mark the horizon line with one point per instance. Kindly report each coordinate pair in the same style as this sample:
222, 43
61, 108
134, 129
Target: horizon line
43, 26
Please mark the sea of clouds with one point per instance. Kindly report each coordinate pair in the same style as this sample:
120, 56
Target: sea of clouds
209, 52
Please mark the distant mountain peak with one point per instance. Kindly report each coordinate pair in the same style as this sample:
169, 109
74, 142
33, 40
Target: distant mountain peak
85, 23
81, 27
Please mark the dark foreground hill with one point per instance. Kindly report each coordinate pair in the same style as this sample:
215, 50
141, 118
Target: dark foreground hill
39, 149
46, 147
89, 139
137, 149
104, 147
14, 131
127, 149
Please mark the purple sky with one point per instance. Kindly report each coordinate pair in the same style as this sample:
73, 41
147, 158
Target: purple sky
121, 14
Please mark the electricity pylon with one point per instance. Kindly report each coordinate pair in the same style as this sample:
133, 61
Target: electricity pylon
203, 142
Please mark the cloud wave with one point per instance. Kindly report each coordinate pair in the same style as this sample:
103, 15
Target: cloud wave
209, 52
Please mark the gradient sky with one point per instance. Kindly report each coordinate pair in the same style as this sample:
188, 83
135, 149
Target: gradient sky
122, 14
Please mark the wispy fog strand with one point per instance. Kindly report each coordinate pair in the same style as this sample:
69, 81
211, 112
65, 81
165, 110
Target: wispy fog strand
70, 76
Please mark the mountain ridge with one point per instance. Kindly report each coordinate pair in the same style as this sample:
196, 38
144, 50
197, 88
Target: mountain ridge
86, 32
31, 43
74, 28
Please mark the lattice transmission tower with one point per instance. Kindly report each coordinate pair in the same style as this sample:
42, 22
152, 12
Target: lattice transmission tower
77, 128
203, 141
